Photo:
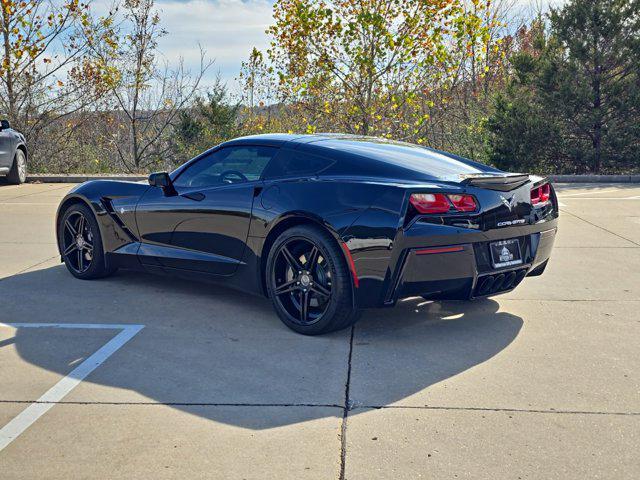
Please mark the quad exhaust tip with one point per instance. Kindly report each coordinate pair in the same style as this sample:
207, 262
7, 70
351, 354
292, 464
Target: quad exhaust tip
499, 282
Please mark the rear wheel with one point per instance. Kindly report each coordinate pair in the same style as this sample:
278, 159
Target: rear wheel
309, 282
18, 172
81, 244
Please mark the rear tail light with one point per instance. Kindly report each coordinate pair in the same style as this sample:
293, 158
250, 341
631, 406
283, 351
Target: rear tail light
464, 203
430, 202
443, 203
540, 195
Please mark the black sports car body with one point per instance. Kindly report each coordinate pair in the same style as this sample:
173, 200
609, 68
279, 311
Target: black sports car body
324, 225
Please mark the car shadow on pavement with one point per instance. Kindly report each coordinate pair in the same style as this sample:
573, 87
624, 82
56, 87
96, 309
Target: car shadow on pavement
206, 347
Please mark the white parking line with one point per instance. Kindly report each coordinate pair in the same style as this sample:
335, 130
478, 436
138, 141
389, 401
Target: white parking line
603, 198
591, 192
28, 416
31, 204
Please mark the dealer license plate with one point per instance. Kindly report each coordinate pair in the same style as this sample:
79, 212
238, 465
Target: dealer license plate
506, 253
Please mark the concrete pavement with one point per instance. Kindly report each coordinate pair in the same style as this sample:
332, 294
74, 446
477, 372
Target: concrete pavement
541, 383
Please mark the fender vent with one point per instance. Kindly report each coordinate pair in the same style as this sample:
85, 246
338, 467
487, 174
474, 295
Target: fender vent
106, 203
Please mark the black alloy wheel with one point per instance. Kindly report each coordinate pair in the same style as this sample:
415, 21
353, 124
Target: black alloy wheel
78, 242
309, 282
81, 244
302, 277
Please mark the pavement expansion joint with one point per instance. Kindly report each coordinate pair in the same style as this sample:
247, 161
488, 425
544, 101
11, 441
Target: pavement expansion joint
601, 228
35, 193
494, 409
348, 405
30, 267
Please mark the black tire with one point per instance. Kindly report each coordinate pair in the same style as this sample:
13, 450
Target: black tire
82, 262
18, 172
329, 274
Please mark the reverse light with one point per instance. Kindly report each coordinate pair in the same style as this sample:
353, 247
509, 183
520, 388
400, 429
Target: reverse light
540, 195
464, 203
443, 203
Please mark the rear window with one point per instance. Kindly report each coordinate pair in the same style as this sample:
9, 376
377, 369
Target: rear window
406, 155
289, 163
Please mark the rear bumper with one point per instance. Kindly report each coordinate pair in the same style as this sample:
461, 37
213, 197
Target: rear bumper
464, 271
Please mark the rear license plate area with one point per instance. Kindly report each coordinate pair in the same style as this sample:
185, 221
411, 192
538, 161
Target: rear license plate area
506, 253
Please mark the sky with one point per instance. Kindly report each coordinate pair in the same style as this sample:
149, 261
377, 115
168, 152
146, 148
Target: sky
227, 30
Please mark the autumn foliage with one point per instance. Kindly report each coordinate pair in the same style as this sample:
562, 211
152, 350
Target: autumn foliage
540, 91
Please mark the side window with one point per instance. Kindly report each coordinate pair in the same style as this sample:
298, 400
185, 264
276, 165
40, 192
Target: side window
289, 163
226, 166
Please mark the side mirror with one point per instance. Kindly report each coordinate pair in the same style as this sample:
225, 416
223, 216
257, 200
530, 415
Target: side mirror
5, 125
162, 180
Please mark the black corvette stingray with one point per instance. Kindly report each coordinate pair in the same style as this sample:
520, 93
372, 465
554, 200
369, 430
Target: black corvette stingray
324, 225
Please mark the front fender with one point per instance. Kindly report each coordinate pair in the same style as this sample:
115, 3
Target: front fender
113, 204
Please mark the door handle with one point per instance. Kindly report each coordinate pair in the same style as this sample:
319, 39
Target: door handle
197, 196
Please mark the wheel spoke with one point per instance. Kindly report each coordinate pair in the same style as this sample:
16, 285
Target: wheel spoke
80, 226
70, 249
80, 261
312, 262
305, 299
320, 290
291, 260
70, 227
286, 287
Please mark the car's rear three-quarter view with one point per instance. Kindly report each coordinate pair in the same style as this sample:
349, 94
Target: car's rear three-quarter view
324, 225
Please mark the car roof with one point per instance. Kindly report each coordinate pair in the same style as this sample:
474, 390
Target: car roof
371, 154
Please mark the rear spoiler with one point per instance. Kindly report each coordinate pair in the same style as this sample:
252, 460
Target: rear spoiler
495, 181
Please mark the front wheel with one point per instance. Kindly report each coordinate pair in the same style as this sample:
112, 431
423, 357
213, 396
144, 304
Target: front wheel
309, 282
18, 172
81, 244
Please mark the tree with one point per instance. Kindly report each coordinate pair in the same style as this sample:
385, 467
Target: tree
211, 120
455, 112
146, 96
363, 66
525, 132
596, 80
258, 91
45, 71
573, 103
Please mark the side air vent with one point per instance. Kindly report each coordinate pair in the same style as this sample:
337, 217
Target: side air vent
106, 203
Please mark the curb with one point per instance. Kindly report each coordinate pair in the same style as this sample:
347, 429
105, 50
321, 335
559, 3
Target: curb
80, 177
594, 178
